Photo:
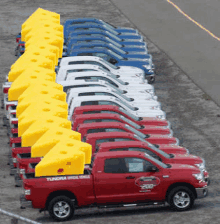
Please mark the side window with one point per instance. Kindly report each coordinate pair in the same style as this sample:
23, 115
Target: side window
87, 94
123, 139
109, 120
136, 165
114, 130
75, 62
104, 140
85, 54
84, 103
119, 149
116, 165
96, 130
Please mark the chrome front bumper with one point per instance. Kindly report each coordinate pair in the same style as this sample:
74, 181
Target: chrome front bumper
202, 192
24, 202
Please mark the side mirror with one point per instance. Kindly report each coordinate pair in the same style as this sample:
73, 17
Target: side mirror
113, 61
152, 169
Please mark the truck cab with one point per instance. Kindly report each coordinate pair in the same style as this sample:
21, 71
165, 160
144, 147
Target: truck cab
113, 58
82, 119
109, 100
96, 138
96, 127
140, 122
106, 91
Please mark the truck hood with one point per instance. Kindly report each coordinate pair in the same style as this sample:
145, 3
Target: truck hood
186, 159
180, 167
129, 70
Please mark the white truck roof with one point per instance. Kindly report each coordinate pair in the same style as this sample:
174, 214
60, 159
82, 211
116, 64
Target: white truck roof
98, 90
105, 100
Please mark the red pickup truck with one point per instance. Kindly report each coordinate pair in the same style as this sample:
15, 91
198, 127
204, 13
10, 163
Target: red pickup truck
27, 164
164, 155
97, 109
120, 127
116, 179
95, 138
105, 117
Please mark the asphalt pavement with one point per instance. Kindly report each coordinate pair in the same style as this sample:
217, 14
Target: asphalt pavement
180, 50
193, 49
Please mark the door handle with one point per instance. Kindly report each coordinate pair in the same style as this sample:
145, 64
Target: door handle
130, 177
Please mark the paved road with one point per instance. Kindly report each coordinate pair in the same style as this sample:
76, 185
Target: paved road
190, 47
193, 119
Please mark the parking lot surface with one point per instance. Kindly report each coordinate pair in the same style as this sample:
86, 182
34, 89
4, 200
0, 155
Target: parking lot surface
194, 118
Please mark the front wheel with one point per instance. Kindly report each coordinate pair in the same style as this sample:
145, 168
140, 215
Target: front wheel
61, 208
150, 79
181, 198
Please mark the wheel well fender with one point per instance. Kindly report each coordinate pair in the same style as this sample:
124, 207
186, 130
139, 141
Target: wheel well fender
172, 186
66, 193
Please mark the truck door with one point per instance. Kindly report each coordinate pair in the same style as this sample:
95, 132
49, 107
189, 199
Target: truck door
144, 185
111, 184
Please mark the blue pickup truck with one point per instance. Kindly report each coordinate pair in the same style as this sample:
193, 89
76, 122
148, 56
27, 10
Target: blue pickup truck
122, 53
94, 21
98, 27
110, 56
103, 39
91, 31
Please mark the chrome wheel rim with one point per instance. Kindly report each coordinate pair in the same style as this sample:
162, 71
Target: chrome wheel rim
61, 209
181, 199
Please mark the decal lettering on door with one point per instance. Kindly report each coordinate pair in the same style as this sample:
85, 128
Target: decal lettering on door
146, 184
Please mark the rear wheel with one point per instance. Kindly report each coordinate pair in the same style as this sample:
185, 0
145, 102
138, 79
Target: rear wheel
181, 198
61, 208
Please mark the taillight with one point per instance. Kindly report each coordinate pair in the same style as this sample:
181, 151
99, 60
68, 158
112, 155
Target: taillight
5, 90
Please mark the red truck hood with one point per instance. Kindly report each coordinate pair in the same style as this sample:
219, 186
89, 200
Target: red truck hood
161, 139
180, 167
186, 159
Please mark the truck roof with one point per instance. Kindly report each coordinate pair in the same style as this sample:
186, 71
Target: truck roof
99, 116
122, 144
110, 135
117, 154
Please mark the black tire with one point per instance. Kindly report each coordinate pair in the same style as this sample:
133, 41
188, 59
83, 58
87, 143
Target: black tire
183, 204
62, 200
151, 80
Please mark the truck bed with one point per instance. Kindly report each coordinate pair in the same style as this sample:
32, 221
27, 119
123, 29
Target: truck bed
32, 175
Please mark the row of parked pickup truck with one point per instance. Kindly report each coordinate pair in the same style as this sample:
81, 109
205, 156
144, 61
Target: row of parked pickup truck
107, 72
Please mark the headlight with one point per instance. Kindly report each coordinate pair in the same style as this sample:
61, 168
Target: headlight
199, 176
22, 171
156, 107
147, 66
27, 191
14, 160
201, 166
151, 91
160, 116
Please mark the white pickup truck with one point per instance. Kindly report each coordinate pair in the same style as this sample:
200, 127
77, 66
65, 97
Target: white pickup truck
69, 69
110, 100
105, 91
112, 79
117, 70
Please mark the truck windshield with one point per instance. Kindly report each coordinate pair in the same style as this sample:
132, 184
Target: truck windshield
156, 161
153, 147
130, 122
113, 42
135, 131
117, 49
113, 53
113, 87
124, 103
113, 36
130, 115
108, 64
